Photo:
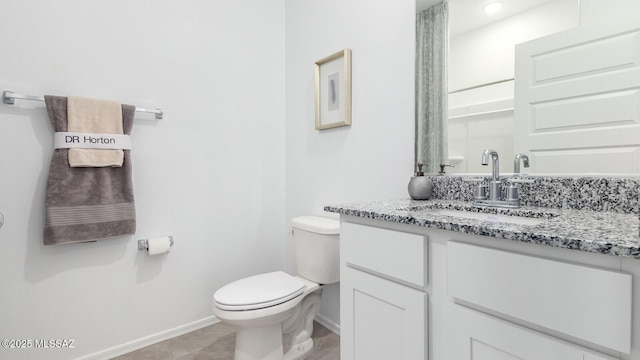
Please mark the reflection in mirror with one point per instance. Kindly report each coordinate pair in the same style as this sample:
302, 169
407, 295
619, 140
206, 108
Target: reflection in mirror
431, 87
481, 72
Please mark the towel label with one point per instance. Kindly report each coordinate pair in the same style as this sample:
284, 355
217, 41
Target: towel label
73, 140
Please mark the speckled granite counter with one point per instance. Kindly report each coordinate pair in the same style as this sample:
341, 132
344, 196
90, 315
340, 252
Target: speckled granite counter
604, 232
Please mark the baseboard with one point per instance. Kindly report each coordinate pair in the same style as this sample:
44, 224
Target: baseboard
149, 340
140, 343
333, 327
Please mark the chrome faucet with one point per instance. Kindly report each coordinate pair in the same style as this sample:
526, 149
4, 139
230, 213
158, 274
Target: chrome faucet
516, 162
495, 186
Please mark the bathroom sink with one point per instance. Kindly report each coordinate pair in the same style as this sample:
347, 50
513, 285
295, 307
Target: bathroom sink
517, 220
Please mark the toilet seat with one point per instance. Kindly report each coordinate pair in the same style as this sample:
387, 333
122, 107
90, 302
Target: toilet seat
259, 291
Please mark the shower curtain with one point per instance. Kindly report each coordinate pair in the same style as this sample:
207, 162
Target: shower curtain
431, 87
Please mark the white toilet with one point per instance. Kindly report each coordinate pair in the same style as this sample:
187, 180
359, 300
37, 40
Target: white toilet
274, 312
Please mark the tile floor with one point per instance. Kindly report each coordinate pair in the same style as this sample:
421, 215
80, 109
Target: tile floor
217, 342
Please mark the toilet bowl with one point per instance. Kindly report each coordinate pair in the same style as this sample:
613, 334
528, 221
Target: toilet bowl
274, 312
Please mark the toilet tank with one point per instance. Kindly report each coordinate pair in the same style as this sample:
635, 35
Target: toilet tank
317, 248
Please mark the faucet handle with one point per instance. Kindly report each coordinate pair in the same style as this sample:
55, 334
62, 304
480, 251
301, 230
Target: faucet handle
512, 192
481, 192
442, 166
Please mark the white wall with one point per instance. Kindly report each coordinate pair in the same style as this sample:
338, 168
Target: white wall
372, 159
211, 173
594, 12
486, 54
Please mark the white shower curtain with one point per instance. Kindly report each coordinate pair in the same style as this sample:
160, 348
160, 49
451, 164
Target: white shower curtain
431, 87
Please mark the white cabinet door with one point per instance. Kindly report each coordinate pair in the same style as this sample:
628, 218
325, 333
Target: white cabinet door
380, 319
477, 336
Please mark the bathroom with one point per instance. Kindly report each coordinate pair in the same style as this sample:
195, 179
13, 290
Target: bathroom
235, 157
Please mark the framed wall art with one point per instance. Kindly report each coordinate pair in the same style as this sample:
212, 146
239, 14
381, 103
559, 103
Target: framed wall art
333, 90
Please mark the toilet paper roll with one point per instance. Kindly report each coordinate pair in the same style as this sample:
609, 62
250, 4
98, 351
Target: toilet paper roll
159, 245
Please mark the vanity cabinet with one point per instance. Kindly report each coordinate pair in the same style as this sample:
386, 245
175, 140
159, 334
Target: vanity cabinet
409, 292
383, 305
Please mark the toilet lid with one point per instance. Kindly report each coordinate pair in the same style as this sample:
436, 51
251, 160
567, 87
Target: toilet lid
259, 291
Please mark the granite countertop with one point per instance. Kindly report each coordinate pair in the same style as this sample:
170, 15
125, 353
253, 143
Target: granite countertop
610, 233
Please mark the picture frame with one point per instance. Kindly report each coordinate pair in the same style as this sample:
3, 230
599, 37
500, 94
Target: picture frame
333, 90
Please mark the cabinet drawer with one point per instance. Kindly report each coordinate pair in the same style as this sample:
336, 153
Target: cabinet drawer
479, 336
580, 301
394, 255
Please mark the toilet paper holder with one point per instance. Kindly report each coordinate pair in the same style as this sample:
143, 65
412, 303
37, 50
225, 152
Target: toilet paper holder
143, 244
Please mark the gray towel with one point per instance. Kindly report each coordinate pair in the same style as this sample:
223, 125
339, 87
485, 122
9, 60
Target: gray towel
87, 203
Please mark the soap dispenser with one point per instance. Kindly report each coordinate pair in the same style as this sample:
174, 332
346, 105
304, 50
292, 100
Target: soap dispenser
420, 187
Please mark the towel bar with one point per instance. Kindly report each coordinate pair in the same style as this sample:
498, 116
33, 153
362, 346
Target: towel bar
9, 97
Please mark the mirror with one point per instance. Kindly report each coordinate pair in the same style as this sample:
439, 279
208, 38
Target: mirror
481, 73
481, 68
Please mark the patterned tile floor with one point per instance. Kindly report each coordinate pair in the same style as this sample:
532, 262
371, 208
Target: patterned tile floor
217, 342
